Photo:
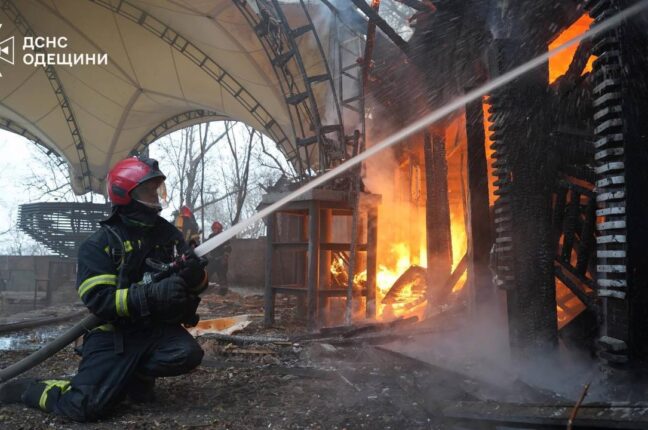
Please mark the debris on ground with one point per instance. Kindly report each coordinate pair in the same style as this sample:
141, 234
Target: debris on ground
285, 378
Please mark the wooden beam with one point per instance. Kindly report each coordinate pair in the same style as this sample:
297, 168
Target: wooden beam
437, 210
369, 46
600, 416
479, 223
382, 24
313, 263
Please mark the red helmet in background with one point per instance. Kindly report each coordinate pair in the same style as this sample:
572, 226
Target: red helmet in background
128, 174
216, 226
186, 212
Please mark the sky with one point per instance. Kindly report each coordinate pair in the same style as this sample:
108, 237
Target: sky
19, 155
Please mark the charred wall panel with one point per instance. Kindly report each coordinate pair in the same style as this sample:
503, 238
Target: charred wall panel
523, 207
621, 103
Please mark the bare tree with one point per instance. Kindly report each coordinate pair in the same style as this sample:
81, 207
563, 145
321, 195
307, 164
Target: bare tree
219, 171
49, 180
240, 172
13, 241
184, 152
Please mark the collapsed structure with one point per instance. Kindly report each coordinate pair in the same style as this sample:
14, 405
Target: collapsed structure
542, 179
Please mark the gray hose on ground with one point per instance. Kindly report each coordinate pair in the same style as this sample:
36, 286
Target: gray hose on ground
34, 359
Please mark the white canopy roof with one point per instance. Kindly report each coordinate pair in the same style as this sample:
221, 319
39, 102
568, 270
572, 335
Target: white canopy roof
171, 63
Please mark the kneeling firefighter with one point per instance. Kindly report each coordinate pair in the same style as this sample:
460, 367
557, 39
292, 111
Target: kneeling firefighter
144, 337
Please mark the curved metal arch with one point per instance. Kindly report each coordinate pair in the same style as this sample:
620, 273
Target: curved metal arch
328, 147
172, 124
279, 43
14, 127
182, 45
10, 9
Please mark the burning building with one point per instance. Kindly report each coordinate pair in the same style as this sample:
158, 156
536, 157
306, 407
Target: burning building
526, 190
533, 192
554, 153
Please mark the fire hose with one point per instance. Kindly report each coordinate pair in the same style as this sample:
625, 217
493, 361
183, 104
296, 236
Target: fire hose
92, 321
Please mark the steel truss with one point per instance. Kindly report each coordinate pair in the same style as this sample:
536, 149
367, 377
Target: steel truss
10, 9
61, 226
171, 124
9, 125
281, 44
208, 65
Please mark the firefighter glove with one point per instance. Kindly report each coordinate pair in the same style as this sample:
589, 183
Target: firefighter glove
163, 300
194, 272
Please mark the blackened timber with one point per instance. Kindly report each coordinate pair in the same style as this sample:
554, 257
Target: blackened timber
599, 416
560, 202
369, 46
437, 210
479, 223
353, 254
382, 24
621, 54
313, 263
572, 285
531, 296
326, 234
570, 225
587, 239
372, 261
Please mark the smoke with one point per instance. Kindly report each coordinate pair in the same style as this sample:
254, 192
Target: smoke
477, 346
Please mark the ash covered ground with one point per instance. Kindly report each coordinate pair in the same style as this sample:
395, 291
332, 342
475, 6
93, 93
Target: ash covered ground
419, 375
287, 386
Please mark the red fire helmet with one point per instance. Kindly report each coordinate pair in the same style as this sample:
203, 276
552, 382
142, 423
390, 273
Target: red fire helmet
216, 226
128, 174
186, 212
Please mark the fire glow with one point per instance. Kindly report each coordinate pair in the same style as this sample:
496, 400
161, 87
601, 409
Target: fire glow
402, 227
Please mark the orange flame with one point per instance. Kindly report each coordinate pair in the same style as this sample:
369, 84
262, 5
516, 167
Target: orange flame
558, 64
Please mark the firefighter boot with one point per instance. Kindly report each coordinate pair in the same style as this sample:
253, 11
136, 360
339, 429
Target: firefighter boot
12, 391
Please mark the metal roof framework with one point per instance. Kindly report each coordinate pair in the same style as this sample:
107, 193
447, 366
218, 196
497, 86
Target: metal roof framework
174, 63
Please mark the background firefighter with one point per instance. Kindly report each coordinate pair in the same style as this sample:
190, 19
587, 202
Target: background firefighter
219, 259
185, 221
143, 337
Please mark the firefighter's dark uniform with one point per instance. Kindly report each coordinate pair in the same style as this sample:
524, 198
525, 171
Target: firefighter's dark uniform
123, 356
219, 261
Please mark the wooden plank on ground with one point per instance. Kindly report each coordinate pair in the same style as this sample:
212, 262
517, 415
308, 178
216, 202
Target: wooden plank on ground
598, 416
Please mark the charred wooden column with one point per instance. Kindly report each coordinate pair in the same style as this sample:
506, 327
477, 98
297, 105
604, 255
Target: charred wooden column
313, 263
326, 233
437, 219
315, 211
523, 207
372, 260
621, 145
479, 223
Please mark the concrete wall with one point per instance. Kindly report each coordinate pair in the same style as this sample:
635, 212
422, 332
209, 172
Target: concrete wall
28, 282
